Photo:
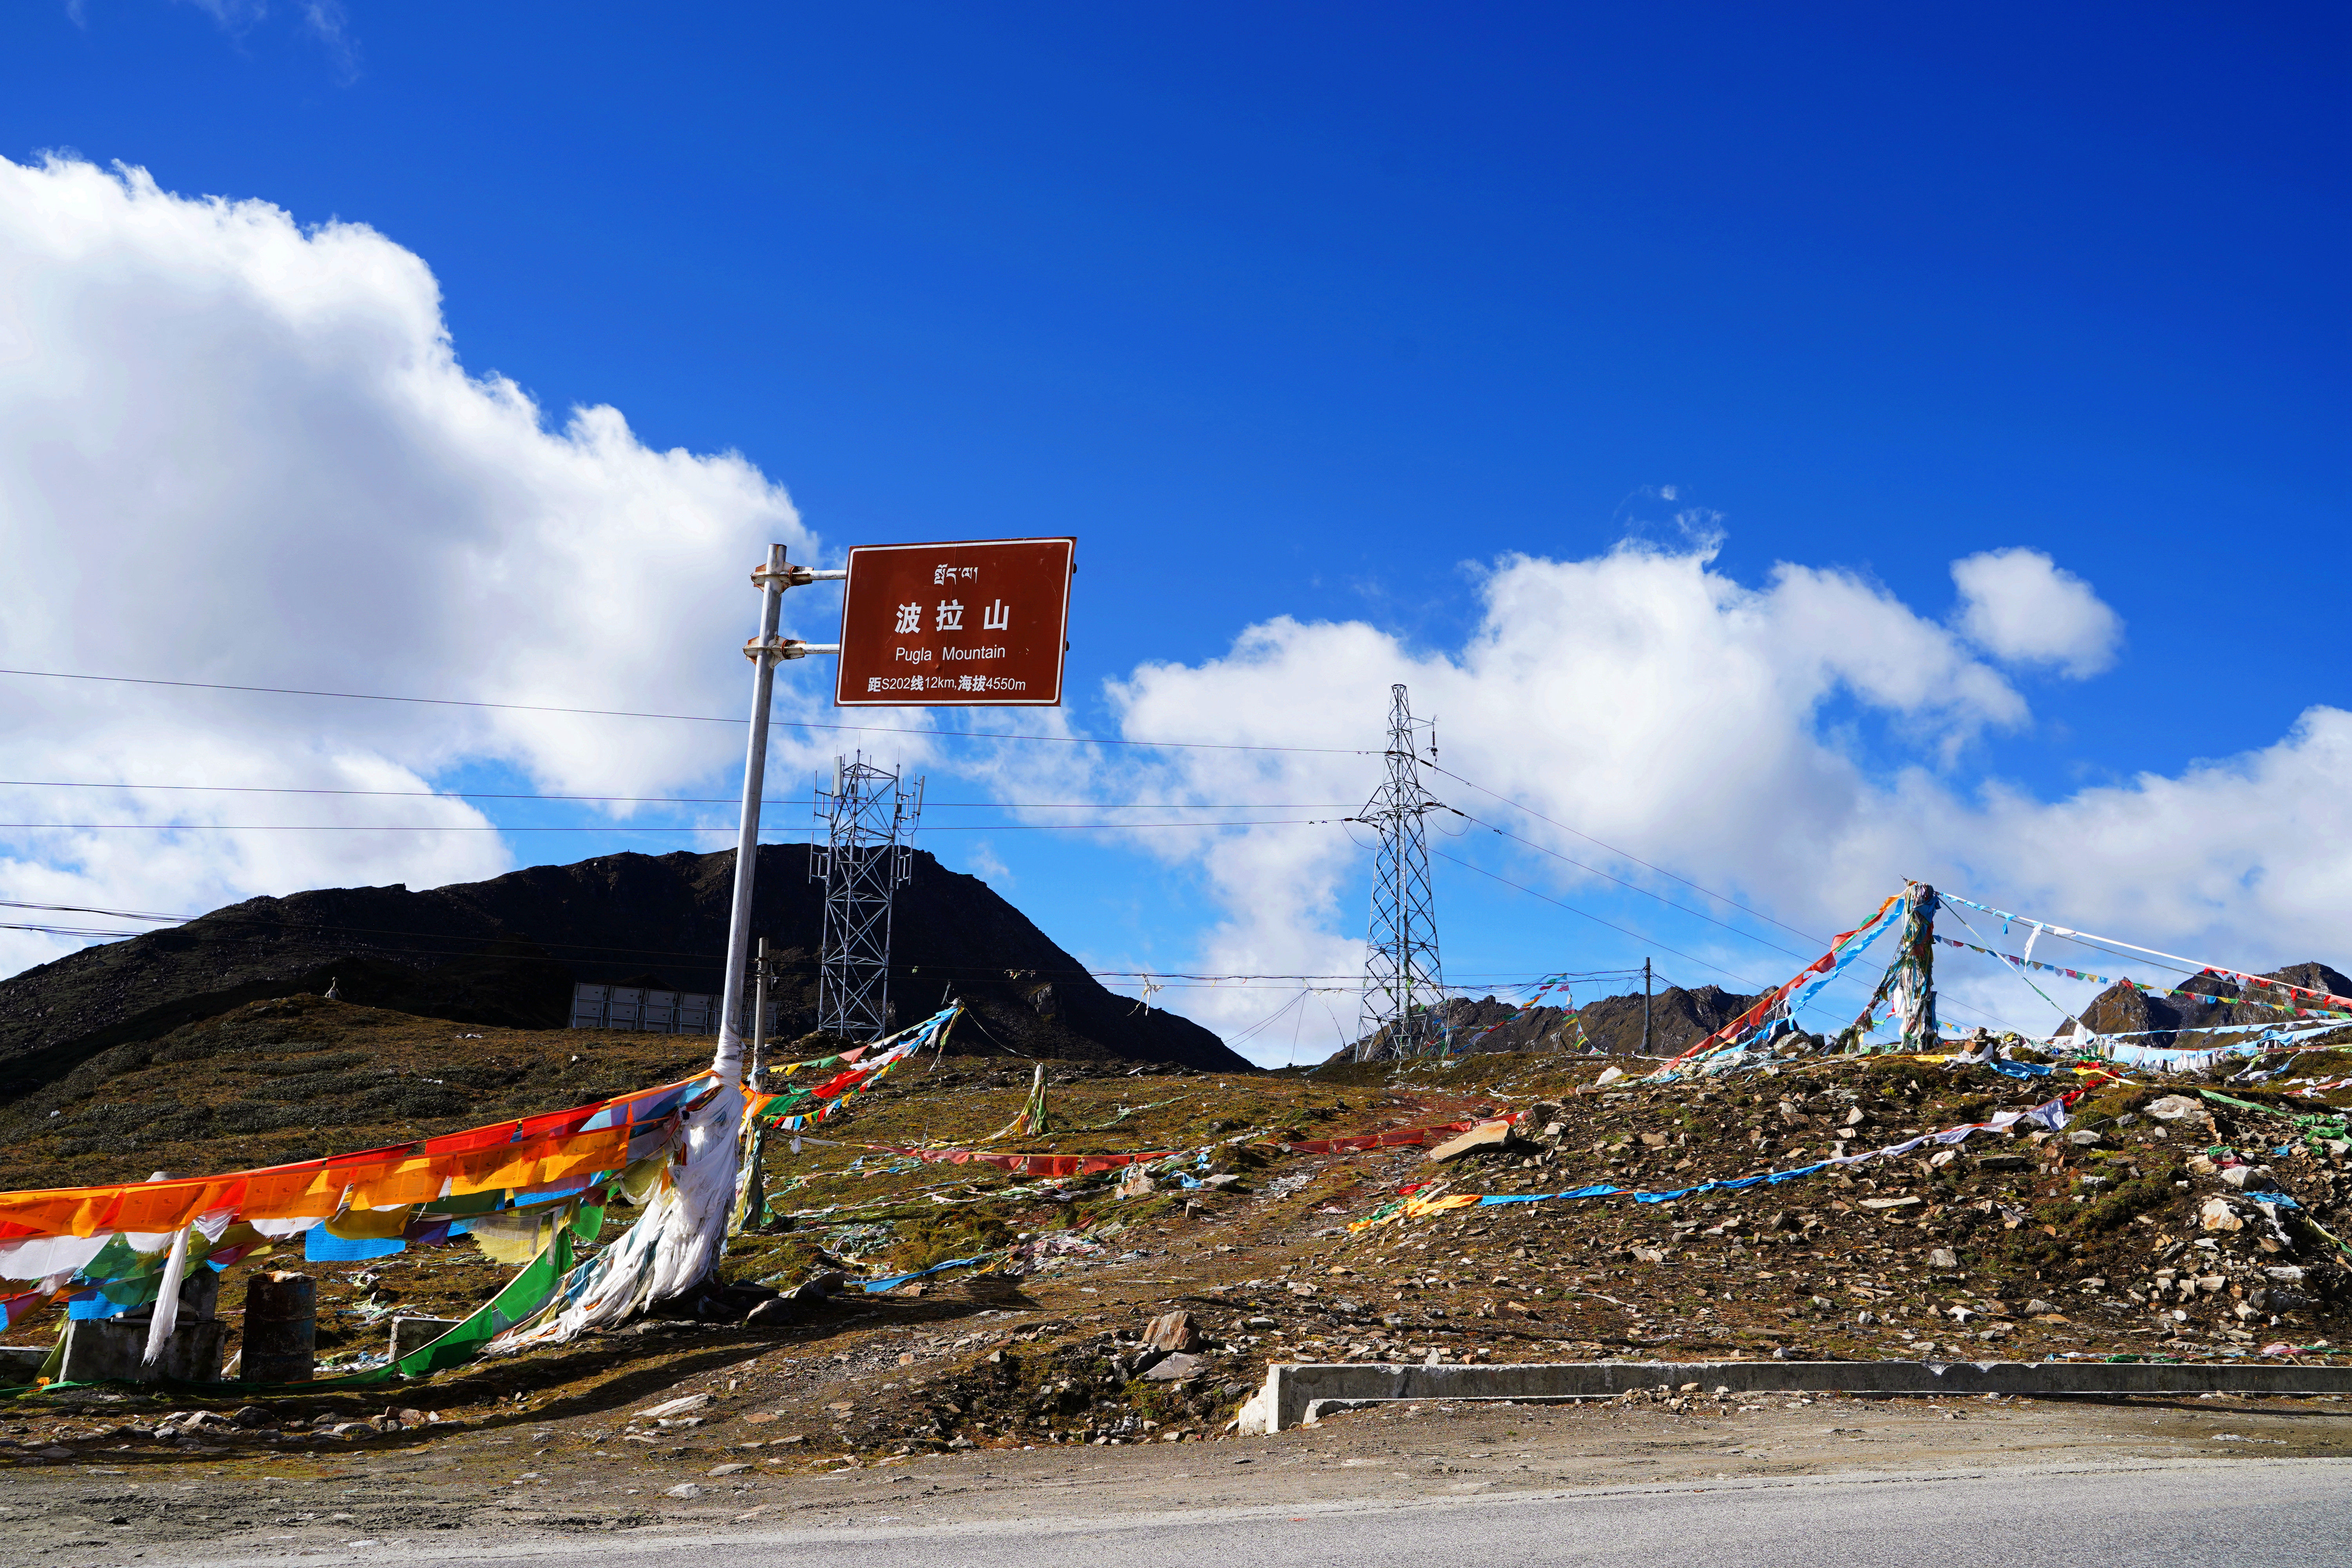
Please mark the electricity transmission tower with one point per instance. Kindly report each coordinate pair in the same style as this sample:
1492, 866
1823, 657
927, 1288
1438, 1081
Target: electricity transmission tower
867, 816
1404, 992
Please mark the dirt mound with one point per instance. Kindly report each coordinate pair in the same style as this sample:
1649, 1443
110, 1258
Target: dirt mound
505, 952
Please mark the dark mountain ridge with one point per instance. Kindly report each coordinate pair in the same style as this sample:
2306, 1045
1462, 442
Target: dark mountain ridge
2124, 1009
508, 951
1679, 1018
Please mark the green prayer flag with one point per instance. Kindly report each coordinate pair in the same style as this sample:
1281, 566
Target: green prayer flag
522, 1299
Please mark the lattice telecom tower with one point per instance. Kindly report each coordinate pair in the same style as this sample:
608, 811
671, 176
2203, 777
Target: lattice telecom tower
867, 816
1404, 991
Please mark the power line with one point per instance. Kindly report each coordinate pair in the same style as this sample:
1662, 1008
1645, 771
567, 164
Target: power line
964, 972
1564, 827
1596, 919
68, 930
1648, 892
676, 799
1633, 887
686, 718
85, 909
617, 827
1752, 988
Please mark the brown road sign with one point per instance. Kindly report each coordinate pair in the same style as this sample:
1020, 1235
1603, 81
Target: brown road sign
981, 624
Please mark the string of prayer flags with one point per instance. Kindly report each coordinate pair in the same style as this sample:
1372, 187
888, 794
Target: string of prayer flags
2211, 1000
2326, 998
2016, 962
789, 1108
1792, 994
1560, 982
2051, 1115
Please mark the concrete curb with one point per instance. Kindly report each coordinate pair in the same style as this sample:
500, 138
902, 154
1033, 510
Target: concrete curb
1295, 1392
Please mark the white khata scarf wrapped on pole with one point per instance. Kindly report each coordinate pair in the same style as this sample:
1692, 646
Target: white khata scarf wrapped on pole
166, 1320
682, 1234
677, 1241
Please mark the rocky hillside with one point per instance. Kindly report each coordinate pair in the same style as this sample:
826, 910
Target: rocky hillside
1609, 1025
2152, 1224
507, 952
2122, 1009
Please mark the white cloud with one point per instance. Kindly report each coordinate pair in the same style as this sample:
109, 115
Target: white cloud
980, 860
2018, 606
235, 450
1702, 725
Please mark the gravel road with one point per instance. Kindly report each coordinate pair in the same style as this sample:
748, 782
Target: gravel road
1785, 1482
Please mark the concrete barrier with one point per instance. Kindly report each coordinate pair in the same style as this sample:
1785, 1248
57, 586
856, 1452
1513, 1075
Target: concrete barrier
1291, 1388
413, 1334
107, 1349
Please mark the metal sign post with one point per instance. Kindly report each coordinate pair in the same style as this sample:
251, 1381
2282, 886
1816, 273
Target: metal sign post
974, 624
762, 650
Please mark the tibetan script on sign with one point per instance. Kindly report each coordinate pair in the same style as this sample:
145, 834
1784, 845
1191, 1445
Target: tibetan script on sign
978, 624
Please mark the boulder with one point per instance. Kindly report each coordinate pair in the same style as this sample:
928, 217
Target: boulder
1493, 1135
1173, 1331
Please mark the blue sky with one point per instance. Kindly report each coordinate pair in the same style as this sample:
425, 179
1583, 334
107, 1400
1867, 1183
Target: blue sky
1327, 313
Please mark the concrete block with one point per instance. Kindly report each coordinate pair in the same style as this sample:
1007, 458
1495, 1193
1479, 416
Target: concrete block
415, 1334
1292, 1388
22, 1363
109, 1350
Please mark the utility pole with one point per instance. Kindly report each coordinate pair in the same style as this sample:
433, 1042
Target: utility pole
1405, 990
759, 1016
866, 814
1645, 1006
763, 651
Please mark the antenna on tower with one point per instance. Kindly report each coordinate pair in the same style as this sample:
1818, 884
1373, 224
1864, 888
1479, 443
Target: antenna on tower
867, 817
1405, 990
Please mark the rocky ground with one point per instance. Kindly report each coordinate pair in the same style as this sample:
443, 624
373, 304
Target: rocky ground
516, 1482
2138, 1230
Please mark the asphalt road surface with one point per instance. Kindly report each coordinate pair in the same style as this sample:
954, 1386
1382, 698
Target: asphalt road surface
2243, 1514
